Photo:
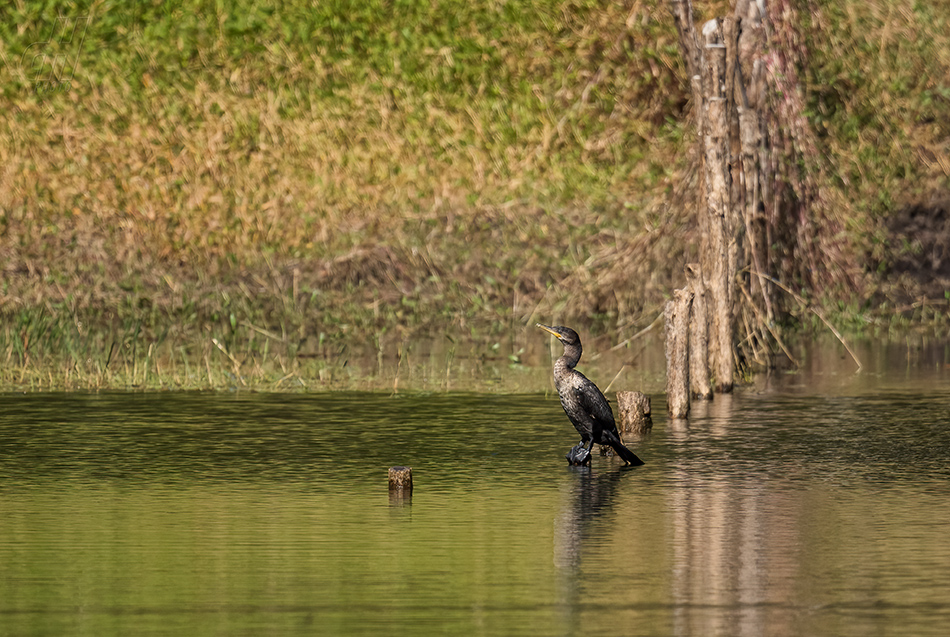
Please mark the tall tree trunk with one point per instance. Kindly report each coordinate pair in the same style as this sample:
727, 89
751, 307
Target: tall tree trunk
718, 255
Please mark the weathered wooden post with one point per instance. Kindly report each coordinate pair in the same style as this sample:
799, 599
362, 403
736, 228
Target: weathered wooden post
698, 335
634, 409
677, 353
400, 480
719, 251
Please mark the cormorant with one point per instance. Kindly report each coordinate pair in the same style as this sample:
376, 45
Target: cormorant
583, 403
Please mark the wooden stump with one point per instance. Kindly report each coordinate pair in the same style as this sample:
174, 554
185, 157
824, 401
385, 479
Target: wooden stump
634, 409
400, 479
698, 335
677, 353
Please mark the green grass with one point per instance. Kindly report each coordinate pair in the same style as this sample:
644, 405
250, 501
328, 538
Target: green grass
880, 90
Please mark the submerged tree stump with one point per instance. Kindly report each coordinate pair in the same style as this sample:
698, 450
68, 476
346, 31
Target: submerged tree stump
634, 409
400, 479
677, 353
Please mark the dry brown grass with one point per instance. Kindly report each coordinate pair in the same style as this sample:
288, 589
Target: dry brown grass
379, 191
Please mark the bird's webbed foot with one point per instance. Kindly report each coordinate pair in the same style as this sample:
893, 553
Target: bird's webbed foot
579, 455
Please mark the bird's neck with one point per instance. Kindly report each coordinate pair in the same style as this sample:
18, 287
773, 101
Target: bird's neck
572, 354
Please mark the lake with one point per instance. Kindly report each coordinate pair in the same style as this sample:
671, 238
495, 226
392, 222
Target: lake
803, 504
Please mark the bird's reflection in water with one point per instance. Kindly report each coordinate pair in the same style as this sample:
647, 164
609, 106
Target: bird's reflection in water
591, 497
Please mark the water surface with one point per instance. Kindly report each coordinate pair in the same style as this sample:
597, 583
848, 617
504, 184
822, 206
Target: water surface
789, 508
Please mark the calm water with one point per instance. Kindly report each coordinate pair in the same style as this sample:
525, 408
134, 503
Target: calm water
790, 508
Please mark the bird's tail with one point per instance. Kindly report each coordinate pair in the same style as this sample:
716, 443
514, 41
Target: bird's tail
628, 456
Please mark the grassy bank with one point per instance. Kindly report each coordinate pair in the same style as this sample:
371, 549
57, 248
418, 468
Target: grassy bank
260, 187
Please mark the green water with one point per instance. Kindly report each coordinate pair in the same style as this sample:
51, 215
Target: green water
785, 509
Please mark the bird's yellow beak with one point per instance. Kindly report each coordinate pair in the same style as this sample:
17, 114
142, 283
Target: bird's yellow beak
549, 330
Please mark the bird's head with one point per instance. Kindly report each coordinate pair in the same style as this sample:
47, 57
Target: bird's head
566, 335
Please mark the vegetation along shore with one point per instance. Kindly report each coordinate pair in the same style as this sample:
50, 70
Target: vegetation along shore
202, 194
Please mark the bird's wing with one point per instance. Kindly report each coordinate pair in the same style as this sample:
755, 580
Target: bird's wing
583, 422
594, 403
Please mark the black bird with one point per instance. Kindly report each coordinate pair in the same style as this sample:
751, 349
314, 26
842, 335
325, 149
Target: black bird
583, 403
